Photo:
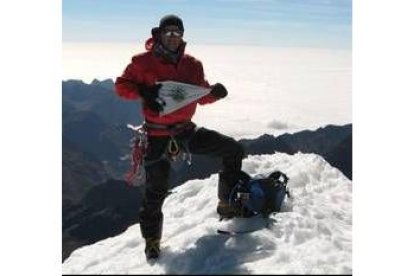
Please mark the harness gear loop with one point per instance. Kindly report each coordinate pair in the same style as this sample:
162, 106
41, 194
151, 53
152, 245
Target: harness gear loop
139, 144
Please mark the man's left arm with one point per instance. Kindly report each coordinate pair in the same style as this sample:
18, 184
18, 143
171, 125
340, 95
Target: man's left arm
218, 91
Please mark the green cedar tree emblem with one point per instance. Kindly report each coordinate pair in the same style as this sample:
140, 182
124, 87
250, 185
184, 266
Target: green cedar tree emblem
177, 94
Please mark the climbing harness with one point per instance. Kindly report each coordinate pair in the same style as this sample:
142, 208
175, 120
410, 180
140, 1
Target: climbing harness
174, 148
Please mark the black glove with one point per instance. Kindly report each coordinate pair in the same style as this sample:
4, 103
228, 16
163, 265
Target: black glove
219, 91
150, 96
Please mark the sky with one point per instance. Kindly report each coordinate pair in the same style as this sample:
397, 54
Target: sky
312, 234
287, 23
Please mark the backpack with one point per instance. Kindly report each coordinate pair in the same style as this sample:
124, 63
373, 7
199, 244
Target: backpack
259, 195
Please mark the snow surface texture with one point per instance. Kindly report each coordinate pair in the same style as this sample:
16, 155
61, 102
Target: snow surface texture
313, 234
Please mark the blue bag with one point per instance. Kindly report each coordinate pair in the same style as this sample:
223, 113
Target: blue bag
260, 195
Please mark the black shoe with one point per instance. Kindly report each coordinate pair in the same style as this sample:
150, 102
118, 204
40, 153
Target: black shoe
152, 248
225, 211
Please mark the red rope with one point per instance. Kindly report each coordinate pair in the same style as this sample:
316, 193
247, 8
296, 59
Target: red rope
138, 153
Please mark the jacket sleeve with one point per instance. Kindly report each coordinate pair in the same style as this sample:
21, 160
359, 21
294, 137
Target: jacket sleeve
203, 82
126, 84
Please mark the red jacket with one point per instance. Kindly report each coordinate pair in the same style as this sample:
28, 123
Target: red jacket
146, 68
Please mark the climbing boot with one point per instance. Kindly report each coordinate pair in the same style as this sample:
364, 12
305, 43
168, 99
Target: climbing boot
225, 210
152, 248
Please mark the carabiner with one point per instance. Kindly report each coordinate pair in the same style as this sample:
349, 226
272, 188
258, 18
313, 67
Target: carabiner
173, 148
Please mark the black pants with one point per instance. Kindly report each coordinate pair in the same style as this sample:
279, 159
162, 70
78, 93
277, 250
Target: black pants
201, 141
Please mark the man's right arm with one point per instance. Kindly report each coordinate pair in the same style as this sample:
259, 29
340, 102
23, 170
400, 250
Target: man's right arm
133, 85
126, 84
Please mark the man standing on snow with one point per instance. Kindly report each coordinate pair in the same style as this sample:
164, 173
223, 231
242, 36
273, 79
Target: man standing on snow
165, 60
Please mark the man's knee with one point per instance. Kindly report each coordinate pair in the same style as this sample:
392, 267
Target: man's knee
239, 151
236, 151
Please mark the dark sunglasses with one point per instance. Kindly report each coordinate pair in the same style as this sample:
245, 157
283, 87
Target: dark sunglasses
173, 33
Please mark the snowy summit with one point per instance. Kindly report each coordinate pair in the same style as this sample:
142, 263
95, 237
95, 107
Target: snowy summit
312, 235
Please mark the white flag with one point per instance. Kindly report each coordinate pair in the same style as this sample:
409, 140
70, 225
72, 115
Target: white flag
176, 95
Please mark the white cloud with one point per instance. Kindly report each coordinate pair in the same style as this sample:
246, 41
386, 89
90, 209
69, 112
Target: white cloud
302, 88
277, 125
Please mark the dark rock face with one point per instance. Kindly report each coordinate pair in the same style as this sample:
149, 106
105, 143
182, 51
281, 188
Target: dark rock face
107, 210
94, 138
333, 143
94, 131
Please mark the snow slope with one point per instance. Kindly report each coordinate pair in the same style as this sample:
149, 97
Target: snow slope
312, 235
